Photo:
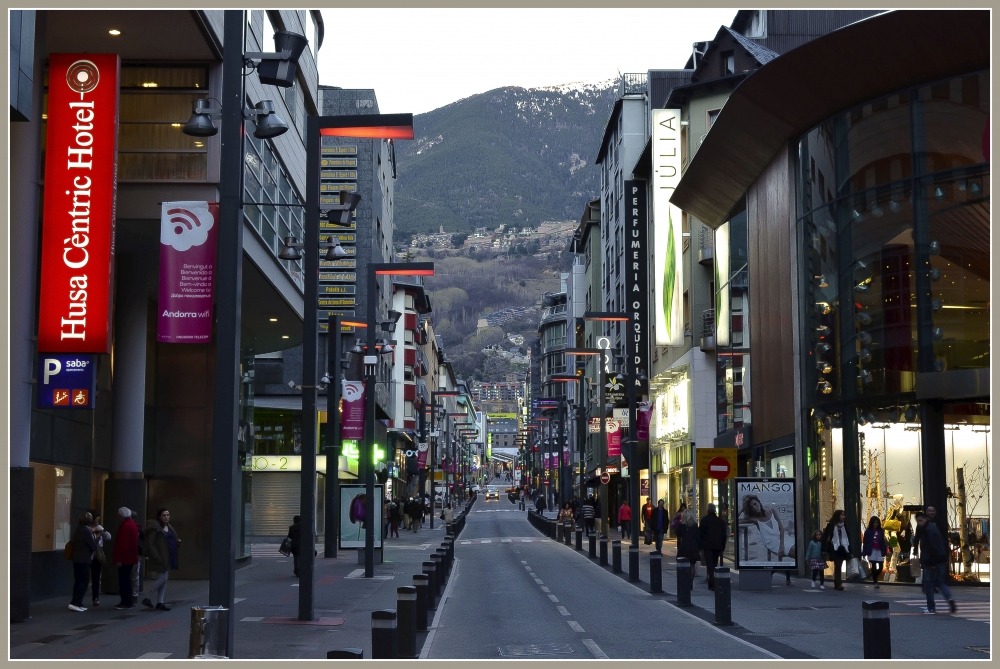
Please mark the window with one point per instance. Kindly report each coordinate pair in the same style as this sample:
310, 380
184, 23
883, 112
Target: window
266, 182
408, 302
52, 520
408, 409
407, 336
757, 28
408, 372
728, 63
712, 115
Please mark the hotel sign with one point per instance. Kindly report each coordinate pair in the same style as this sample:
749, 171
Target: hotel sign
78, 219
637, 276
667, 229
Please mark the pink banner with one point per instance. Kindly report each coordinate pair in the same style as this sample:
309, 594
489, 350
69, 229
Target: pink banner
566, 456
353, 416
422, 456
645, 416
614, 439
188, 234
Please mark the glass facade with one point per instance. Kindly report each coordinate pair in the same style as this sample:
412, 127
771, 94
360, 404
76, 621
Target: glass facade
732, 321
893, 232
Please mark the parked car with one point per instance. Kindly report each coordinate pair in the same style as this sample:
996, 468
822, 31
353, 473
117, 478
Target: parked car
492, 492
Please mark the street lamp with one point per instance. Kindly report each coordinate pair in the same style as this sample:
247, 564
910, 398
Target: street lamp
634, 467
431, 453
563, 478
226, 475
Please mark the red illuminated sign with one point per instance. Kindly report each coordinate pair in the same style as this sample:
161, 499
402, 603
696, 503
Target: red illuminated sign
78, 225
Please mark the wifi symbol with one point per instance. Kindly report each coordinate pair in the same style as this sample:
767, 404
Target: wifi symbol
183, 219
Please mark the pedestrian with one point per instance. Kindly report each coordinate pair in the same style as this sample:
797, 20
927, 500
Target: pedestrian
933, 561
81, 551
714, 535
295, 539
416, 511
625, 520
647, 512
427, 507
125, 555
676, 522
540, 504
688, 540
588, 515
394, 518
814, 556
566, 513
161, 555
100, 535
659, 520
837, 544
136, 570
875, 547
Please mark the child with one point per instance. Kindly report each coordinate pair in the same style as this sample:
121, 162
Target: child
814, 556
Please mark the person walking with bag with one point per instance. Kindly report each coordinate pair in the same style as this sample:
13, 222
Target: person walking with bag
125, 555
161, 555
714, 535
647, 512
80, 550
295, 542
688, 541
96, 565
814, 556
875, 547
625, 520
837, 544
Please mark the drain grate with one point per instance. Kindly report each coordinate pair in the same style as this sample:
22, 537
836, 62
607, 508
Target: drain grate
536, 649
777, 634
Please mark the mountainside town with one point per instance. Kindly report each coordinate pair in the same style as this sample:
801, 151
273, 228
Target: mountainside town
689, 363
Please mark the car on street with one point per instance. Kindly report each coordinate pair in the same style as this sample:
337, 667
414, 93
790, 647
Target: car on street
492, 492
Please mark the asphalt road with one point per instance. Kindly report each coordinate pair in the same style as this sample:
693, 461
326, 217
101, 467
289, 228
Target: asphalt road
516, 595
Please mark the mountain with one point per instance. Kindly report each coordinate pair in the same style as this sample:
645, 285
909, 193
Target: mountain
516, 156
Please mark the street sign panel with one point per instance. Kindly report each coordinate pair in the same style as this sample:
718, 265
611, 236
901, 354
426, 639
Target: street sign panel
706, 458
66, 381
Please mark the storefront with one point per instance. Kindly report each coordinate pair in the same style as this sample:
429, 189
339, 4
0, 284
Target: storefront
671, 446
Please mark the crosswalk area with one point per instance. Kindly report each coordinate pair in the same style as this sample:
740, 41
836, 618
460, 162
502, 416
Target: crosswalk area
978, 611
265, 551
505, 540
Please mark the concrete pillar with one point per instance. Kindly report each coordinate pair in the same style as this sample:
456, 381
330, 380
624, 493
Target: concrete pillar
25, 203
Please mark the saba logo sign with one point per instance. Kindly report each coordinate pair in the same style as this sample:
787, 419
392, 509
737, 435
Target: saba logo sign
66, 381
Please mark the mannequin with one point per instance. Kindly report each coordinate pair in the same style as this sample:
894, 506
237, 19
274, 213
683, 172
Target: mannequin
894, 524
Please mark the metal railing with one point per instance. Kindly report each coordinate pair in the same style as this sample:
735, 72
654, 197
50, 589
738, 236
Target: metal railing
633, 83
706, 245
706, 330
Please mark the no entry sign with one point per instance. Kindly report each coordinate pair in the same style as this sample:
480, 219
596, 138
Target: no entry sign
605, 478
715, 463
718, 468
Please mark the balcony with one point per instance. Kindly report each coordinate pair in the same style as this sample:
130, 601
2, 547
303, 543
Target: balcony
707, 330
706, 246
633, 83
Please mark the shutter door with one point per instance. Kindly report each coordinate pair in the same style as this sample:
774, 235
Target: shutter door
276, 498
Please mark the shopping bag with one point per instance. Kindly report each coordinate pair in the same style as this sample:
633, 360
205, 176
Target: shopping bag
853, 568
286, 546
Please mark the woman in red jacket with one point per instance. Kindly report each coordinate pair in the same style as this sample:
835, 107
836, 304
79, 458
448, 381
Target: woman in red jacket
625, 520
125, 554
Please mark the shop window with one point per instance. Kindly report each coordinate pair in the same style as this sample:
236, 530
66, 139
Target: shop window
277, 431
52, 520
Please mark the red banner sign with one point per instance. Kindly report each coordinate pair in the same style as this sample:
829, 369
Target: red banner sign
645, 416
614, 439
353, 416
78, 216
422, 455
188, 234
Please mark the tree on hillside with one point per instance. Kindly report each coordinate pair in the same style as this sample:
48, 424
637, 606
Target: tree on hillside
458, 239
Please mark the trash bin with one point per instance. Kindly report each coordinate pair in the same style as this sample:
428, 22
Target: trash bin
209, 632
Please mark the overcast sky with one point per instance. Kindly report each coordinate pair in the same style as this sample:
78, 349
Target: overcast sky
421, 59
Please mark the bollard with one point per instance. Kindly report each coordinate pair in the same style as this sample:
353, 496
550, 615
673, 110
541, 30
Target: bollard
345, 654
406, 622
420, 585
384, 635
559, 531
683, 582
449, 529
433, 592
568, 532
604, 551
723, 597
633, 564
553, 528
579, 540
616, 556
875, 630
439, 573
451, 549
447, 553
593, 545
443, 552
208, 632
655, 572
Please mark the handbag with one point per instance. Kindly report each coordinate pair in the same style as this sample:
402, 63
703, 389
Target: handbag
99, 555
286, 546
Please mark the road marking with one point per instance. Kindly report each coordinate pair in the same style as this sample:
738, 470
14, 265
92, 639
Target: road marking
528, 568
437, 616
524, 562
725, 634
237, 600
544, 589
562, 610
976, 611
538, 581
252, 619
356, 573
487, 541
553, 598
154, 656
505, 541
575, 626
464, 543
595, 650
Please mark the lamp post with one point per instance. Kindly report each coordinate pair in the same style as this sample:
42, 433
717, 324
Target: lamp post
634, 467
435, 407
602, 451
563, 478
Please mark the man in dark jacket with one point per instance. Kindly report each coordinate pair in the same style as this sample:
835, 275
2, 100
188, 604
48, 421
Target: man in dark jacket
659, 521
714, 535
933, 561
125, 555
540, 504
295, 534
82, 549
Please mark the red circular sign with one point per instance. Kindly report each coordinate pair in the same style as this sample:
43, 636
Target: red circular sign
605, 478
718, 468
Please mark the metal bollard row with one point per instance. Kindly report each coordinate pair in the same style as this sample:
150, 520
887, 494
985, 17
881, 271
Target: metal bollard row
683, 582
655, 572
616, 556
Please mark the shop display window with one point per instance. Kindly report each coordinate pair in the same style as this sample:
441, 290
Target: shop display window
52, 519
277, 432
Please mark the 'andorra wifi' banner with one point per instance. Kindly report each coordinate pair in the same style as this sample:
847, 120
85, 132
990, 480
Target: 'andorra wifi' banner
188, 234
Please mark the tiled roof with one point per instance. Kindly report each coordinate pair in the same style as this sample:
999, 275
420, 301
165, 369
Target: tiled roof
760, 53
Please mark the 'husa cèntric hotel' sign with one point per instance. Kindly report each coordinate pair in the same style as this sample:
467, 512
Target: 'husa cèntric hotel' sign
78, 224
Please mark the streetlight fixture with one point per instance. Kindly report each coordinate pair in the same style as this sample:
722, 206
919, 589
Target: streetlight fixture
267, 123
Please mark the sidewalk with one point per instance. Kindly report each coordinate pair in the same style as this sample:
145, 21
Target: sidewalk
266, 610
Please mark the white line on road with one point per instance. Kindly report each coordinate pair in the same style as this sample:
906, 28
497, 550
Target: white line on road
524, 562
544, 589
155, 656
356, 573
538, 580
464, 543
595, 650
437, 616
562, 610
237, 600
487, 541
575, 626
295, 585
553, 598
252, 619
505, 541
725, 634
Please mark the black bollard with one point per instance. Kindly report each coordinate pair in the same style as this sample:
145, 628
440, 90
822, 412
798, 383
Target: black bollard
593, 545
655, 572
345, 654
568, 532
559, 531
439, 573
449, 549
384, 635
420, 585
433, 592
553, 529
616, 556
723, 597
683, 582
875, 630
443, 552
406, 622
579, 540
604, 551
633, 564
